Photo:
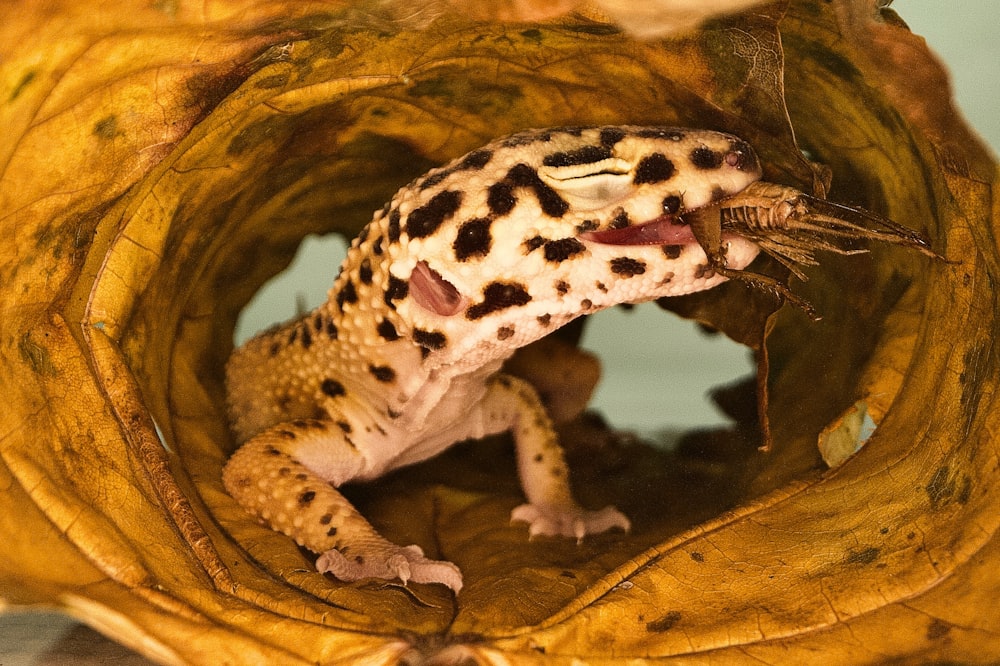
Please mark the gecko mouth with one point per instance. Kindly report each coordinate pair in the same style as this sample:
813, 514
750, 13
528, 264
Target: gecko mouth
664, 230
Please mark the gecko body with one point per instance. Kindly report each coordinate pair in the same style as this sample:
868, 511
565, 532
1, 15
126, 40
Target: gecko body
461, 268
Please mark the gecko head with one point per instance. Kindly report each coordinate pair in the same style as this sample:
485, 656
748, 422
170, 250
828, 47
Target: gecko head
545, 225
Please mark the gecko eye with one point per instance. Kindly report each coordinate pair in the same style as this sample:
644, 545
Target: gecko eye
562, 173
590, 186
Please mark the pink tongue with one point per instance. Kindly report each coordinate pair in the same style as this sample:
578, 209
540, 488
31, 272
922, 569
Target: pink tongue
661, 231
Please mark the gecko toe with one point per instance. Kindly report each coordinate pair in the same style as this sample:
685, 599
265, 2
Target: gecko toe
390, 562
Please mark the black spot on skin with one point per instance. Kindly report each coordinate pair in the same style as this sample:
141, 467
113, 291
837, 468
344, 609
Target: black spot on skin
392, 413
672, 251
533, 244
387, 331
505, 332
318, 322
306, 337
620, 221
293, 336
365, 230
671, 204
284, 434
377, 246
627, 267
331, 329
275, 348
307, 497
473, 239
434, 179
382, 373
718, 194
705, 158
526, 139
545, 319
562, 287
611, 135
498, 296
522, 175
326, 519
476, 160
586, 304
365, 271
500, 198
560, 250
347, 294
601, 287
697, 557
310, 424
396, 290
331, 532
430, 340
587, 225
584, 155
345, 426
332, 388
538, 458
392, 230
271, 451
655, 168
424, 221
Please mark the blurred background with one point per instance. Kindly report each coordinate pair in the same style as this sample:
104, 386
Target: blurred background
657, 367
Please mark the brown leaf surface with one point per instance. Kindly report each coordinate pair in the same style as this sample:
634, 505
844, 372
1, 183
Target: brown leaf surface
163, 160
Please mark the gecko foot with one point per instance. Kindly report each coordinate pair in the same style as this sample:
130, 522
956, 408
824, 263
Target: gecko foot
568, 521
390, 562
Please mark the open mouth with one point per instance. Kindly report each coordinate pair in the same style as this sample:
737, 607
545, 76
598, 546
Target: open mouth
663, 230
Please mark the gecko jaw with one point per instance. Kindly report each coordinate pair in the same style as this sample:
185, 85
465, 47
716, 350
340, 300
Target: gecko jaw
663, 230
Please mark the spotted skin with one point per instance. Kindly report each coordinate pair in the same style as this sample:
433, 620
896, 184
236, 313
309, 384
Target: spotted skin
461, 268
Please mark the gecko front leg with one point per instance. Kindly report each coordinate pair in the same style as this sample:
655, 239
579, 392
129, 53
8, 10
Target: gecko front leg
273, 476
551, 509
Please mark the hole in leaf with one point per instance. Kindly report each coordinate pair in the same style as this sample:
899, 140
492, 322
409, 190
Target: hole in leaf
658, 370
300, 287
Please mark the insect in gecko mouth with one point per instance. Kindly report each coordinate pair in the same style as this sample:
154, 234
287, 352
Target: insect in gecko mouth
787, 224
460, 269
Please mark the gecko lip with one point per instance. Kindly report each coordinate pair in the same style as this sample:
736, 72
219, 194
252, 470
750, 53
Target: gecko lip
664, 230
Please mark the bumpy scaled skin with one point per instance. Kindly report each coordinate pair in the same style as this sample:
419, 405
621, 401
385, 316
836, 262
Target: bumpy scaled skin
462, 267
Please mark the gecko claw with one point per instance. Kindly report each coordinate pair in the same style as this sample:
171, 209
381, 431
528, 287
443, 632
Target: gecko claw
568, 521
389, 562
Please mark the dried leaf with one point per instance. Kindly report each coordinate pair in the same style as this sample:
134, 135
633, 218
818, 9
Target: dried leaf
163, 160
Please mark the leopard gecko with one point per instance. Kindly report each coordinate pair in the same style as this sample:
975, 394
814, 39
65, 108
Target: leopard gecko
461, 268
